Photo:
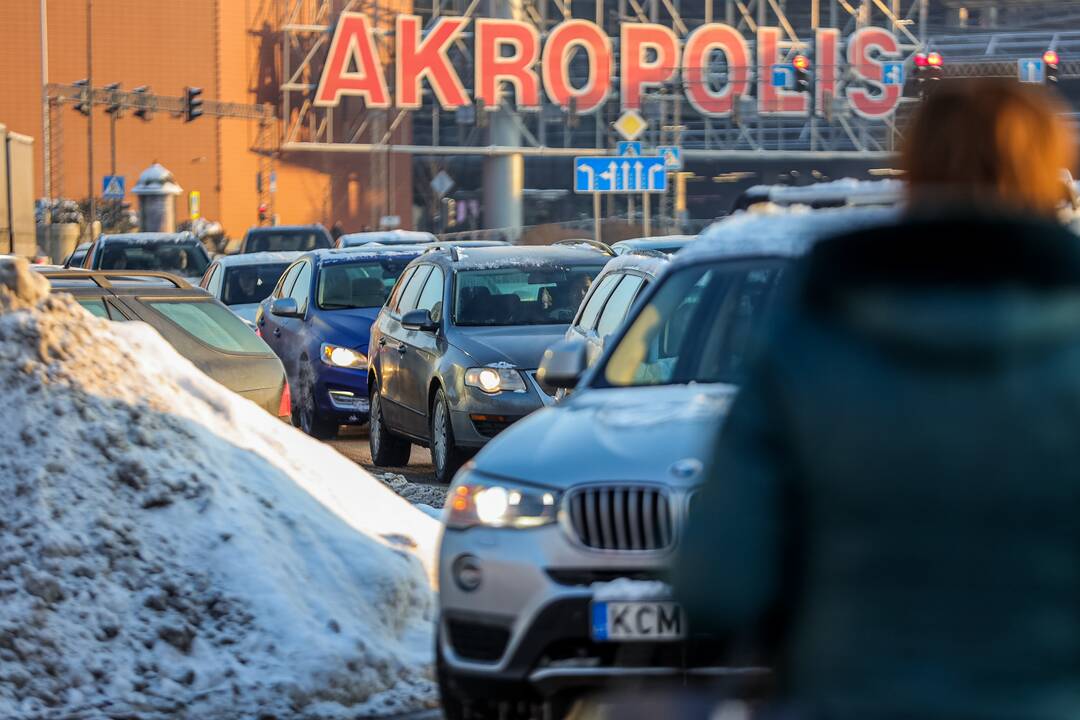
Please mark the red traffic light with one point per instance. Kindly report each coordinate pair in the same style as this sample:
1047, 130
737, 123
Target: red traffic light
921, 60
1051, 58
801, 62
935, 60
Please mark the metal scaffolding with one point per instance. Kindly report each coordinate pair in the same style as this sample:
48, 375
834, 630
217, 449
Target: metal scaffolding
554, 131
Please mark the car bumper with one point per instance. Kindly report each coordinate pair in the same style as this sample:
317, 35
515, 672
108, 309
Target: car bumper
527, 626
342, 394
478, 417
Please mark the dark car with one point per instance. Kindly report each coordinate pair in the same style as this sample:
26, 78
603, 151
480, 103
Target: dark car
666, 244
286, 238
75, 259
174, 253
453, 354
198, 326
318, 320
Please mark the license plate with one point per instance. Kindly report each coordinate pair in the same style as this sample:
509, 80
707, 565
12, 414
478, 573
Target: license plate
637, 621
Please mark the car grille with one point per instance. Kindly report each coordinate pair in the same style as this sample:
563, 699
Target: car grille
624, 518
491, 425
475, 641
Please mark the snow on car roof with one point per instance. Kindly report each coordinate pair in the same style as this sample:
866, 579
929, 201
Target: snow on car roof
849, 189
650, 264
374, 236
259, 258
657, 240
149, 238
273, 229
525, 256
774, 230
336, 256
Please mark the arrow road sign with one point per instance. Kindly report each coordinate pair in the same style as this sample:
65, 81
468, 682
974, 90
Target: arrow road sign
672, 155
112, 187
783, 76
1031, 70
892, 73
619, 175
627, 148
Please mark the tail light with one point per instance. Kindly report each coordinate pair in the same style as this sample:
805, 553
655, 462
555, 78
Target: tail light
285, 408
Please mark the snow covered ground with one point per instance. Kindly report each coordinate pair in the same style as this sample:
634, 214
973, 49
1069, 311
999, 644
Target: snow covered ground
166, 547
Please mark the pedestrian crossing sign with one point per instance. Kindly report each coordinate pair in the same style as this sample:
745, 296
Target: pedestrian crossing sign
112, 188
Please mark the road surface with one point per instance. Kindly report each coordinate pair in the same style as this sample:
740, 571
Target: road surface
353, 444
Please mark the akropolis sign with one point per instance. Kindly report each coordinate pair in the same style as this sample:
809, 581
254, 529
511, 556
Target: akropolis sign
508, 55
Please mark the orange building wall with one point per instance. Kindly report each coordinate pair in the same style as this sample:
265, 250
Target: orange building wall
222, 46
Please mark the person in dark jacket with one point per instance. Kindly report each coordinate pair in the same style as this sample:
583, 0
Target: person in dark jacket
894, 509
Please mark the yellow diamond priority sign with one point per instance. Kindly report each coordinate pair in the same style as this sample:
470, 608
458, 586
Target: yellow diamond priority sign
630, 125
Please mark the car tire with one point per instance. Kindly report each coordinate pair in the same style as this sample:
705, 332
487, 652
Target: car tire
307, 415
387, 449
446, 457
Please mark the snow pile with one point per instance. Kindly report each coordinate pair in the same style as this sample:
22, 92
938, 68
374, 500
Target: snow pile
416, 493
630, 590
168, 548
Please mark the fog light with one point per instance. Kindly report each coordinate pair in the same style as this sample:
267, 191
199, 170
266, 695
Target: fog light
466, 570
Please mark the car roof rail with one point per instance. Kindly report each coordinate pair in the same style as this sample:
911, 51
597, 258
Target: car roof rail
454, 251
595, 244
104, 278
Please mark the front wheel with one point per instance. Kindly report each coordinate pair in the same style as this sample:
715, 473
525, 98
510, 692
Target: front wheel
387, 449
446, 456
306, 415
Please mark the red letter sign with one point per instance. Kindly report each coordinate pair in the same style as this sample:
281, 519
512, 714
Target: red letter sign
639, 73
700, 46
352, 43
419, 59
773, 100
866, 65
561, 43
493, 68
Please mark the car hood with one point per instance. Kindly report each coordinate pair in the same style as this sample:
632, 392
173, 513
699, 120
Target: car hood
350, 327
519, 345
660, 434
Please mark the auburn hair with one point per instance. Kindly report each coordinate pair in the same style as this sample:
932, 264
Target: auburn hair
989, 142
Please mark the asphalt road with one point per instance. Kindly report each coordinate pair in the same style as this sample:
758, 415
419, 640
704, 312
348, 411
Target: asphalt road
353, 444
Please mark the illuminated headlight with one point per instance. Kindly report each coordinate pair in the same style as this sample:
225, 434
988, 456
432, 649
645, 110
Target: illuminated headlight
475, 501
342, 357
494, 380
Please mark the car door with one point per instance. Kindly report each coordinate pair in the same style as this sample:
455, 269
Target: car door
420, 355
268, 323
292, 330
392, 346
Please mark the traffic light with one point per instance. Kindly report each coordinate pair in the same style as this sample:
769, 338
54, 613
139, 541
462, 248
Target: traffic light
83, 105
804, 81
142, 102
1052, 65
193, 103
115, 105
928, 67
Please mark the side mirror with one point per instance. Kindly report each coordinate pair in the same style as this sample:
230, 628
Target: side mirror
285, 307
419, 320
563, 364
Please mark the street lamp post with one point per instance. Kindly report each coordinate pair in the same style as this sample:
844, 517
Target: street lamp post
90, 109
46, 120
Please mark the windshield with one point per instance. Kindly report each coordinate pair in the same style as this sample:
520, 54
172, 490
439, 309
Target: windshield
286, 241
250, 284
190, 260
362, 284
521, 295
701, 325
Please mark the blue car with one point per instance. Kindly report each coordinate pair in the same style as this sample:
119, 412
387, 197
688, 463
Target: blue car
318, 322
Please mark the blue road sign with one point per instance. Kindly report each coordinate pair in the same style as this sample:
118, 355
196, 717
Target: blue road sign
628, 148
783, 76
112, 187
892, 73
619, 175
1031, 70
672, 155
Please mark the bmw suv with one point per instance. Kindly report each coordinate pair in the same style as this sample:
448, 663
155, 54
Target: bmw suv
454, 352
559, 534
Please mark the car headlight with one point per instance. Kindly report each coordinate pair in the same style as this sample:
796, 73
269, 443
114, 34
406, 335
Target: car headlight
493, 380
342, 357
477, 502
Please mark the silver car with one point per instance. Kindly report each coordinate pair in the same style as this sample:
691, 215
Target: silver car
241, 282
560, 532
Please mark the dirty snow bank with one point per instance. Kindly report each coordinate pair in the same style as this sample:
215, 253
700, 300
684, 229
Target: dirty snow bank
168, 548
416, 493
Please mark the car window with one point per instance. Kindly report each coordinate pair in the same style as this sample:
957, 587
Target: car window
245, 284
432, 296
211, 323
187, 259
286, 241
701, 325
95, 307
412, 290
618, 305
358, 284
596, 302
521, 295
301, 289
395, 297
285, 284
